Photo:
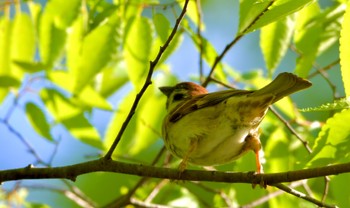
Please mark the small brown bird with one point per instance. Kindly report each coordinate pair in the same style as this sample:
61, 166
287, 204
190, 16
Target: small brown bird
216, 128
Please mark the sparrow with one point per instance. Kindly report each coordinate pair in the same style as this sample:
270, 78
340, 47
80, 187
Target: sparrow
209, 129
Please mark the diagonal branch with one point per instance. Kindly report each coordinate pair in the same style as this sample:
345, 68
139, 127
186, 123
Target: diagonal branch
148, 81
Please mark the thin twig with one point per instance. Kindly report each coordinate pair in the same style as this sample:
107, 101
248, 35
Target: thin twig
290, 128
148, 81
323, 69
25, 142
326, 188
302, 195
155, 191
233, 42
271, 195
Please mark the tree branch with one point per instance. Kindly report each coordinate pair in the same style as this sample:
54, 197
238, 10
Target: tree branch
71, 172
148, 81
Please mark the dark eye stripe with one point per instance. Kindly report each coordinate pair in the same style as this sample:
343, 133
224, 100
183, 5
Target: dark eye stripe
179, 96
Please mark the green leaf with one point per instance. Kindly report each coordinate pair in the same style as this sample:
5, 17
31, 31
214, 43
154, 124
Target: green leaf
9, 81
112, 78
307, 38
333, 142
162, 26
71, 116
336, 105
117, 121
58, 105
87, 98
75, 41
64, 12
274, 41
250, 10
137, 48
149, 120
79, 127
96, 52
345, 50
38, 120
104, 12
30, 67
191, 12
51, 39
22, 42
5, 42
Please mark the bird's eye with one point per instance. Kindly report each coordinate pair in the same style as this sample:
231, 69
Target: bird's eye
178, 96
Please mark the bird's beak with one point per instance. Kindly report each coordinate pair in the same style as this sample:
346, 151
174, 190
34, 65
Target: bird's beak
167, 90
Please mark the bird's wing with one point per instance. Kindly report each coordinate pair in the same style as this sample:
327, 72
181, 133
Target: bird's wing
202, 101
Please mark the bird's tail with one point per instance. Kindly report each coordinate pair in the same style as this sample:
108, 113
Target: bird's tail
283, 85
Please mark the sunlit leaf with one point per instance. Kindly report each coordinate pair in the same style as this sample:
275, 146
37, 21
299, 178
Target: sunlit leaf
5, 42
162, 26
191, 12
5, 61
274, 41
251, 12
59, 105
74, 42
333, 142
38, 120
138, 44
307, 38
115, 124
149, 120
87, 98
96, 51
336, 105
71, 116
51, 39
111, 79
104, 12
64, 12
22, 42
83, 130
345, 50
30, 67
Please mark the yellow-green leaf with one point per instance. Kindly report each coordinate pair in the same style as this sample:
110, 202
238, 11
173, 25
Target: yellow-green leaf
274, 41
58, 105
345, 50
96, 51
162, 26
38, 120
137, 49
251, 12
307, 38
22, 42
79, 127
333, 142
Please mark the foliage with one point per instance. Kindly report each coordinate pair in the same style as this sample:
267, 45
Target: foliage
64, 62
